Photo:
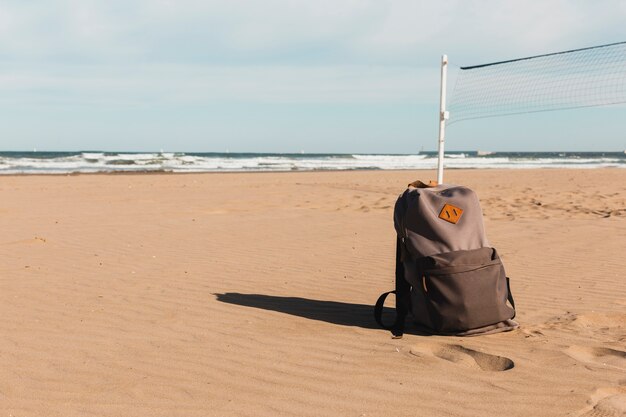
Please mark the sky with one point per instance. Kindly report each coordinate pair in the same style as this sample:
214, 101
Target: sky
324, 76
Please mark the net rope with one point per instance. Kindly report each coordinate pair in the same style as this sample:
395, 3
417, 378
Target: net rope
587, 77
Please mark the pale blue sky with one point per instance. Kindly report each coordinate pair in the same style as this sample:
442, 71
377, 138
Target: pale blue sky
281, 76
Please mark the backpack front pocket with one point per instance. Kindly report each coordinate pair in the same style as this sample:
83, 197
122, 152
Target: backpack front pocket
463, 295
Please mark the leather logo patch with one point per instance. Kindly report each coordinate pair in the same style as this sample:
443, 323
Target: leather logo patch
450, 213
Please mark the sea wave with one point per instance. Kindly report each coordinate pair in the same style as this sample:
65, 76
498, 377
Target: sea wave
93, 161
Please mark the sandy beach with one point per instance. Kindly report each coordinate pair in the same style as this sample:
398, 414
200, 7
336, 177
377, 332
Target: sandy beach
251, 294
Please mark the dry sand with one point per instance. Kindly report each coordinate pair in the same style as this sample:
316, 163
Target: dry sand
251, 294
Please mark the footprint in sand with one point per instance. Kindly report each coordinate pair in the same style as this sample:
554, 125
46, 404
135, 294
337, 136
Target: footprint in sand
598, 355
606, 323
466, 357
606, 402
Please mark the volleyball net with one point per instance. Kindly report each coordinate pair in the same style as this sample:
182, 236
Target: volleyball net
585, 77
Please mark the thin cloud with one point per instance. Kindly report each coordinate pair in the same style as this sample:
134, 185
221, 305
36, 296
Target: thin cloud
177, 84
86, 56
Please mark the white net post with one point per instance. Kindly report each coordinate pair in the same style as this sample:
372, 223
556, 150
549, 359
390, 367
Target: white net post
443, 116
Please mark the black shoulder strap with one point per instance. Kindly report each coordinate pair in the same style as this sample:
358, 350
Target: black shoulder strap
510, 296
403, 297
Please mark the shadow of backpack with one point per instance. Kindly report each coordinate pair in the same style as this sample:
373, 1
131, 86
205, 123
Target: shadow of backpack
448, 278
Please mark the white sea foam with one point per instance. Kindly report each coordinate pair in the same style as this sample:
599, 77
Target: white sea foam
34, 163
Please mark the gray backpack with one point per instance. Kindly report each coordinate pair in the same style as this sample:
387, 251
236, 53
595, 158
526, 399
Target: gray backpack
447, 276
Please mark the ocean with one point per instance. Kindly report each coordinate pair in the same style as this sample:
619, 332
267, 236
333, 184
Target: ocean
91, 162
